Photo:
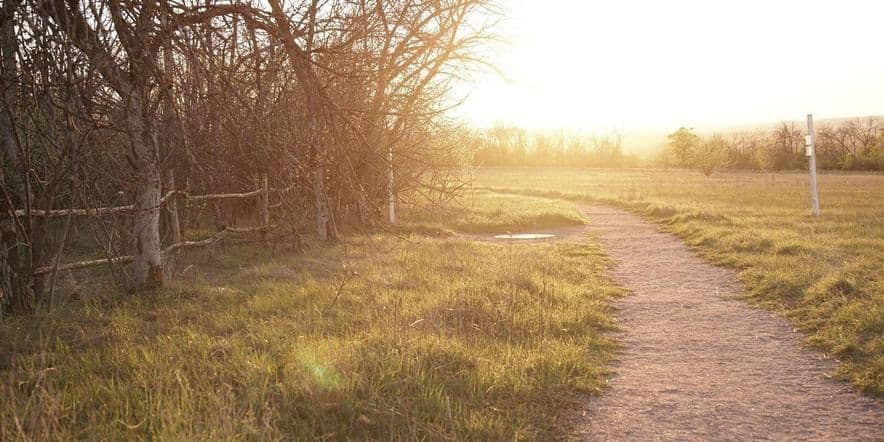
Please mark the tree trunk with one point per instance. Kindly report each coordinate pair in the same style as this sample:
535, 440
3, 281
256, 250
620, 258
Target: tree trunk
171, 146
218, 215
16, 281
148, 268
9, 148
322, 211
265, 206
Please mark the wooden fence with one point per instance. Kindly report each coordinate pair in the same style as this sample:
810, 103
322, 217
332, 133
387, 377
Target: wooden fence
171, 198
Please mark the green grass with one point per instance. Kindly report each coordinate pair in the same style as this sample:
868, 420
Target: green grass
423, 334
481, 211
824, 274
380, 336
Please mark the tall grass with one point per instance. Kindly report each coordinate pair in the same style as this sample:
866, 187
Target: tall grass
825, 274
481, 211
377, 337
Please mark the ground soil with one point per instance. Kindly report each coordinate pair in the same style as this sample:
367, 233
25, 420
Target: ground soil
698, 364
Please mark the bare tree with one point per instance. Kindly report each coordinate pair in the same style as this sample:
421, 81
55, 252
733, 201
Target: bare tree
15, 283
708, 155
118, 42
184, 96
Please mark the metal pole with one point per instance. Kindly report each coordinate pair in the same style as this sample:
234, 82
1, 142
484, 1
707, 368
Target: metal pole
390, 193
814, 197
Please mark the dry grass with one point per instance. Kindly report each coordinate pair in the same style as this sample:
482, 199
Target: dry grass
377, 337
480, 211
826, 275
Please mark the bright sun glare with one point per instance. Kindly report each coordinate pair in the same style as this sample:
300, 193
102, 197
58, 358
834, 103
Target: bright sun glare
653, 64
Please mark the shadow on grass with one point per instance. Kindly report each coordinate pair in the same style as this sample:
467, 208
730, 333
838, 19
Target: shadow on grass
373, 337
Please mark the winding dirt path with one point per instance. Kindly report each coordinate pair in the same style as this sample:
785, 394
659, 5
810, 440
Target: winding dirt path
697, 365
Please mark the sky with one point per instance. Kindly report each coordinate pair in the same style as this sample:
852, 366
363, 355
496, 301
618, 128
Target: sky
626, 64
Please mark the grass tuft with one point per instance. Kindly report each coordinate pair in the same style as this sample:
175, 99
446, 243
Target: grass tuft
825, 274
407, 336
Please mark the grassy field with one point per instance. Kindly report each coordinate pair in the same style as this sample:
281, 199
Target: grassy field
481, 211
420, 333
826, 275
402, 335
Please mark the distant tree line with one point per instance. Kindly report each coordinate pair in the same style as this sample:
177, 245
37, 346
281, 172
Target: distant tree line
109, 103
508, 145
855, 144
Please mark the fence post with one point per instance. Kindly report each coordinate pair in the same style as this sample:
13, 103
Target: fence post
217, 215
265, 206
122, 224
172, 208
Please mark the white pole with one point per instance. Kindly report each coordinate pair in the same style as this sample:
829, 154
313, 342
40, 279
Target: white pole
811, 152
390, 193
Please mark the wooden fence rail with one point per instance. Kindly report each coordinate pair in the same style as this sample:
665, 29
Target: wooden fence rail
101, 211
264, 210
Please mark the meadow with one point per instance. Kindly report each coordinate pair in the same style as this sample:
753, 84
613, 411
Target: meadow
418, 333
422, 332
826, 274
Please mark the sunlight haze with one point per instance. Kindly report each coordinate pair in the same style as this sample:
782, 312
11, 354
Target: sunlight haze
659, 65
441, 220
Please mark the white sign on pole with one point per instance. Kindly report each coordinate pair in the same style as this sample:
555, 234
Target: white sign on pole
811, 152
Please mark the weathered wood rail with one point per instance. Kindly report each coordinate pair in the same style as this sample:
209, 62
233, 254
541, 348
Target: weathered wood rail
262, 193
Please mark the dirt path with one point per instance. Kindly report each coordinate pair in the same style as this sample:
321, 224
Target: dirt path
696, 365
